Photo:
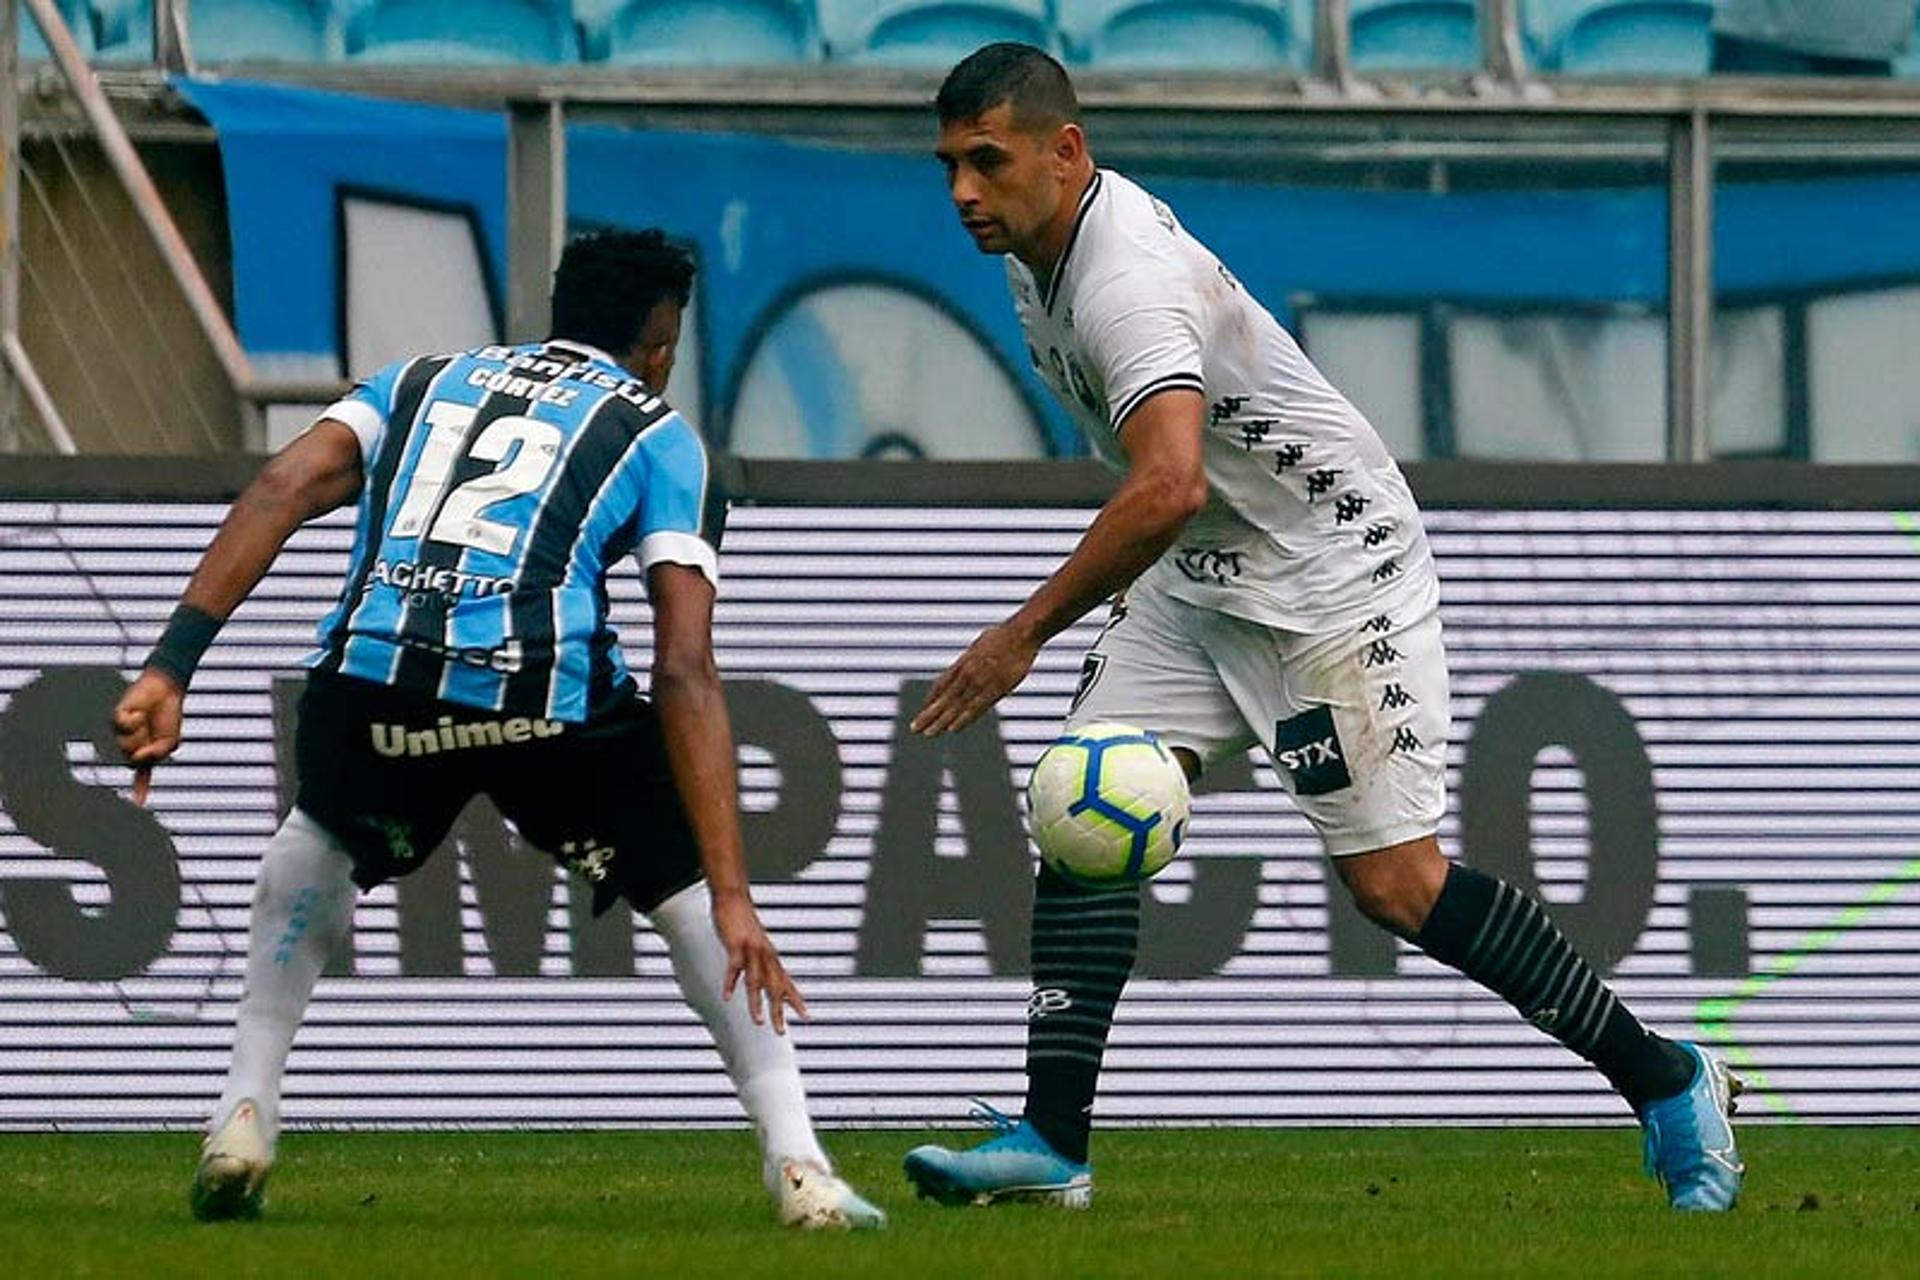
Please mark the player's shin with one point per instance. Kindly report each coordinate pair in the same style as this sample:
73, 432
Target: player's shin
1084, 942
1504, 940
302, 908
760, 1061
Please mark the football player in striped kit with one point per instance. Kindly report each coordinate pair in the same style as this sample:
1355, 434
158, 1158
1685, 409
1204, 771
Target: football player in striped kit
1279, 591
470, 653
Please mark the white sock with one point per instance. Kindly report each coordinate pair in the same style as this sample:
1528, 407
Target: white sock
761, 1062
302, 908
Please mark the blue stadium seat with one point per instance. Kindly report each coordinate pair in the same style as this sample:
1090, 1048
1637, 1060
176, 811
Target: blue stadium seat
1541, 22
1173, 35
79, 21
280, 30
1908, 64
930, 33
233, 30
704, 32
1415, 35
432, 32
1635, 37
122, 30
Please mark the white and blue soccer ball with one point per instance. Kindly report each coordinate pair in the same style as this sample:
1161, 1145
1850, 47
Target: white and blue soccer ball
1107, 805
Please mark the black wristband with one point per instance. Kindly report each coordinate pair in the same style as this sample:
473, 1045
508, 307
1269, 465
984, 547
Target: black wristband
189, 632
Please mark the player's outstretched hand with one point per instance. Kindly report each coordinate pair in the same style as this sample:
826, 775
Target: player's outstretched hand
751, 958
991, 668
146, 723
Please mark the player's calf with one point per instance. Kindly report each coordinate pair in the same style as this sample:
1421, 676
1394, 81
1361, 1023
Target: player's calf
1507, 942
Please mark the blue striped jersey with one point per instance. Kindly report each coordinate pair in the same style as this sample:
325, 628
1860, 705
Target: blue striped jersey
501, 486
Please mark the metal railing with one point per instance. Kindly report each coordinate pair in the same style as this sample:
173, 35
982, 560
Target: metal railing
93, 242
1501, 112
1677, 129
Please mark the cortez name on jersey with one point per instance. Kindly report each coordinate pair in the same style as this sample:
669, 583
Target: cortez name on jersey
1309, 525
501, 484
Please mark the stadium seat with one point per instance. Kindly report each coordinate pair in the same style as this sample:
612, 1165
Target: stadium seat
122, 29
1202, 35
704, 32
1415, 35
1541, 22
471, 31
234, 30
33, 45
930, 33
280, 30
1908, 64
1635, 37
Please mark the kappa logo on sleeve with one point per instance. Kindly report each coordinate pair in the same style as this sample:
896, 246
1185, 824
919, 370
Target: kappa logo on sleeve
1308, 748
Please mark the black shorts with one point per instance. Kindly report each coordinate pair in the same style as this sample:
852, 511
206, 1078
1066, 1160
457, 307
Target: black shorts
387, 771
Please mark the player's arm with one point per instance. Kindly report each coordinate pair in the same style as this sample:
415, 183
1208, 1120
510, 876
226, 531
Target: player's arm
699, 741
1165, 485
319, 471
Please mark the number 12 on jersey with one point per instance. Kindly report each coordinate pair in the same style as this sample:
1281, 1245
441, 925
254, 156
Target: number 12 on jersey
456, 517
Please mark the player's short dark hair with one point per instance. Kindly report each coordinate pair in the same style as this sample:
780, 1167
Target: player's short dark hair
1029, 78
609, 281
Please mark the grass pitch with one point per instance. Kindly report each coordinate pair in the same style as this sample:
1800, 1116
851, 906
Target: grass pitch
1171, 1203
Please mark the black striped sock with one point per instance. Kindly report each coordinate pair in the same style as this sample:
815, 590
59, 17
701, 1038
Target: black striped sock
1083, 947
1506, 942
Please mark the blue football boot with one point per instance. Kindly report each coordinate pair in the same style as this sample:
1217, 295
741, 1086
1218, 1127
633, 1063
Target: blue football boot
1018, 1165
1690, 1145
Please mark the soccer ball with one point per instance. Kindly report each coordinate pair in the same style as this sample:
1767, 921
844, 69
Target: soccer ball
1107, 804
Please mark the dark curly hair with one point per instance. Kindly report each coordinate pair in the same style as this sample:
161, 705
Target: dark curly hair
1029, 78
609, 281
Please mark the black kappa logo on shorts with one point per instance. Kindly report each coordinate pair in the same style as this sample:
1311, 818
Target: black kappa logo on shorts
1308, 748
1089, 672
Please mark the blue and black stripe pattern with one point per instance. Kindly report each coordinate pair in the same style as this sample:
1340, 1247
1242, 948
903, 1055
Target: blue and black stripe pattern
501, 485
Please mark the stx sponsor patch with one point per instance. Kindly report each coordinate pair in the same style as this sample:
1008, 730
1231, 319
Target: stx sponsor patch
1308, 748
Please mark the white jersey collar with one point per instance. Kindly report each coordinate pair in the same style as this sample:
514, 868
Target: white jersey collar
1073, 237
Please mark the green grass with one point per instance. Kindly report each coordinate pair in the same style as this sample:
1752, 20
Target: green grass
1175, 1203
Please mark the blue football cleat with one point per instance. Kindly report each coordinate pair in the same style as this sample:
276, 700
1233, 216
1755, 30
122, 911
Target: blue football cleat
1690, 1145
1018, 1165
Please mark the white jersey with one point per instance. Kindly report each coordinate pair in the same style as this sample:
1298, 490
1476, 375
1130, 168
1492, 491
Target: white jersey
1309, 524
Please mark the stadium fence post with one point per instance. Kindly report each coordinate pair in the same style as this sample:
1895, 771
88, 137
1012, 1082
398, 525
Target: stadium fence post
1689, 284
536, 212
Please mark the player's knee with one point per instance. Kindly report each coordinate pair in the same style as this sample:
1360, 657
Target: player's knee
288, 865
1390, 905
1395, 888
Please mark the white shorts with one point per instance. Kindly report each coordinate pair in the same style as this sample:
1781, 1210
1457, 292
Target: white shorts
1355, 721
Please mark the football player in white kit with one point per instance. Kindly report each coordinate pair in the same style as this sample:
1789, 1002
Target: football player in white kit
1278, 589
